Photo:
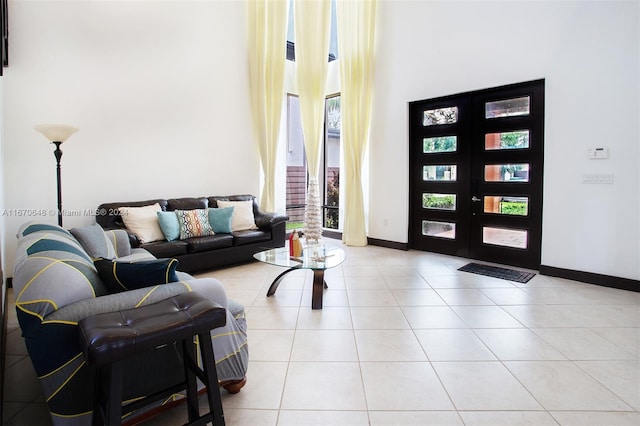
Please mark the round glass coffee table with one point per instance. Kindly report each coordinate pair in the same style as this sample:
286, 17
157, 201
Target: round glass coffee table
318, 258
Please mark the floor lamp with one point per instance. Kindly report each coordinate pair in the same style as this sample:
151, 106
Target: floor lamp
56, 134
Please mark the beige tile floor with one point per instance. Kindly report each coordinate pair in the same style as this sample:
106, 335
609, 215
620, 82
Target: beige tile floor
406, 339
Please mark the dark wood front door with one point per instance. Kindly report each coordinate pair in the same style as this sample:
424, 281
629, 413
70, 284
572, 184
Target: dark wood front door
476, 168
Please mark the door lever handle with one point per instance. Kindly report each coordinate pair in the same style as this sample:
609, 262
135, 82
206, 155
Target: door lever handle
476, 199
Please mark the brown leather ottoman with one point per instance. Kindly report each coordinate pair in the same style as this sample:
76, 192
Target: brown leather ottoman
110, 338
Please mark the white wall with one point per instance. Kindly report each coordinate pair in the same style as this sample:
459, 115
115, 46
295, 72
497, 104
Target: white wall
588, 54
158, 89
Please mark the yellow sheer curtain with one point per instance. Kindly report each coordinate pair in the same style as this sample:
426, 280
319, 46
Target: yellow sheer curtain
267, 37
311, 26
356, 30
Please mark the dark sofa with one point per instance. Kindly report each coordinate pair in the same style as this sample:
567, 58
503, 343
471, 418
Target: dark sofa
208, 252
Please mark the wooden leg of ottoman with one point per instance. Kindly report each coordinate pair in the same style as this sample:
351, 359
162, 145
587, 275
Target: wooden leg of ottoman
189, 354
208, 375
213, 390
107, 408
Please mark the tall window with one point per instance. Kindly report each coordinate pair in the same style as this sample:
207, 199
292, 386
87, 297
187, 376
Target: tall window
296, 165
331, 162
297, 177
333, 40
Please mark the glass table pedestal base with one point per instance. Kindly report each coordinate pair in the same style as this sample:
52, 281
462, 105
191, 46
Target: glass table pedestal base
317, 257
319, 284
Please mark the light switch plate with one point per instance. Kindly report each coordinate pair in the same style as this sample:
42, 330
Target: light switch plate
598, 153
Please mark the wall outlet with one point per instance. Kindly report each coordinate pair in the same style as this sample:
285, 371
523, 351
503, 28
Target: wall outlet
606, 178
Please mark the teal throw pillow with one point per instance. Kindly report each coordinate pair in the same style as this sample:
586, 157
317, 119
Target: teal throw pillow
123, 276
220, 219
169, 225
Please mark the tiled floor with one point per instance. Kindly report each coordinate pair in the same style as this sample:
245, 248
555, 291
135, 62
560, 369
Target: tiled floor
406, 339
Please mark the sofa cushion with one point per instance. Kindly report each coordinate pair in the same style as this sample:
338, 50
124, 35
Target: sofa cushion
170, 225
143, 222
213, 200
108, 214
120, 240
123, 276
52, 270
220, 219
249, 236
194, 223
187, 203
166, 248
242, 217
211, 242
94, 240
45, 228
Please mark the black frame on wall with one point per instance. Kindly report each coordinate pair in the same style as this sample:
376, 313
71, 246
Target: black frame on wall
4, 34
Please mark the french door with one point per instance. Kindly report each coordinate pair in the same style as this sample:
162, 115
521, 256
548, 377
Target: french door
476, 168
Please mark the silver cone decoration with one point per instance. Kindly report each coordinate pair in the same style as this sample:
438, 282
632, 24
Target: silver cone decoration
313, 213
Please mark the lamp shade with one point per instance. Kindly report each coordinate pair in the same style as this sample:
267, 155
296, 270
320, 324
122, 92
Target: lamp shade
56, 132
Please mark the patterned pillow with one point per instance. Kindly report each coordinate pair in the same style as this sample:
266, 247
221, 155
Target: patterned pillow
194, 223
123, 276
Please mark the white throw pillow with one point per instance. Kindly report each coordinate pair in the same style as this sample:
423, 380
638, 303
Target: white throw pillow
143, 222
242, 217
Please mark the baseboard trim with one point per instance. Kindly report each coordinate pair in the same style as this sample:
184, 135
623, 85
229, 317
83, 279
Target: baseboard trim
591, 278
335, 235
3, 344
552, 271
388, 244
581, 276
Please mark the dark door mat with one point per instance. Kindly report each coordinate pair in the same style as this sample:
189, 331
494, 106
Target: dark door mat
497, 272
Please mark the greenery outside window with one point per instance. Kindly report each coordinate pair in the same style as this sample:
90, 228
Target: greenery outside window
297, 176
